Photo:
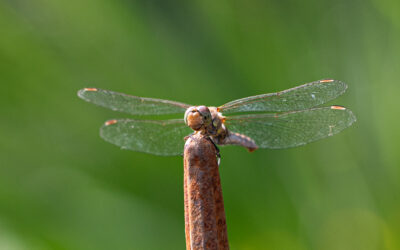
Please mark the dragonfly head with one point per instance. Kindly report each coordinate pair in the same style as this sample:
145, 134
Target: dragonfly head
199, 118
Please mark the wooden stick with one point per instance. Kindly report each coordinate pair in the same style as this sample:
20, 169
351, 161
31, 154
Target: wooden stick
205, 223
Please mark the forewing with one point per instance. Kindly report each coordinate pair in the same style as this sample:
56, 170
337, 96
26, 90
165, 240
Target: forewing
291, 129
153, 137
131, 104
298, 98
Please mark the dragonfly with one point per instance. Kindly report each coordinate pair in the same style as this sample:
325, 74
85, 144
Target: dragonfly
284, 119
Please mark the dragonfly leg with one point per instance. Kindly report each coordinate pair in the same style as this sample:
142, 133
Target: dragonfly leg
217, 150
187, 137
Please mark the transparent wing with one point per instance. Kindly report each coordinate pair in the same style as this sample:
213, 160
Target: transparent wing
298, 98
131, 104
291, 129
153, 137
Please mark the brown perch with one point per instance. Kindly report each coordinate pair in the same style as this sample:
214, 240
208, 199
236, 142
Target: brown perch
205, 223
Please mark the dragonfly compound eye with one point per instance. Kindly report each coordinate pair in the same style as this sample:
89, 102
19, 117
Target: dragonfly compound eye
205, 112
203, 109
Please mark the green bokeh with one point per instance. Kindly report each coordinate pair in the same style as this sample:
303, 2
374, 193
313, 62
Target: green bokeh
62, 187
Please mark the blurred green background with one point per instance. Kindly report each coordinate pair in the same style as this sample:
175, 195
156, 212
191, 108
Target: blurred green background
63, 187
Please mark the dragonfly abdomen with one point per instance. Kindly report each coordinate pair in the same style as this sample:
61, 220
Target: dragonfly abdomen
239, 139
